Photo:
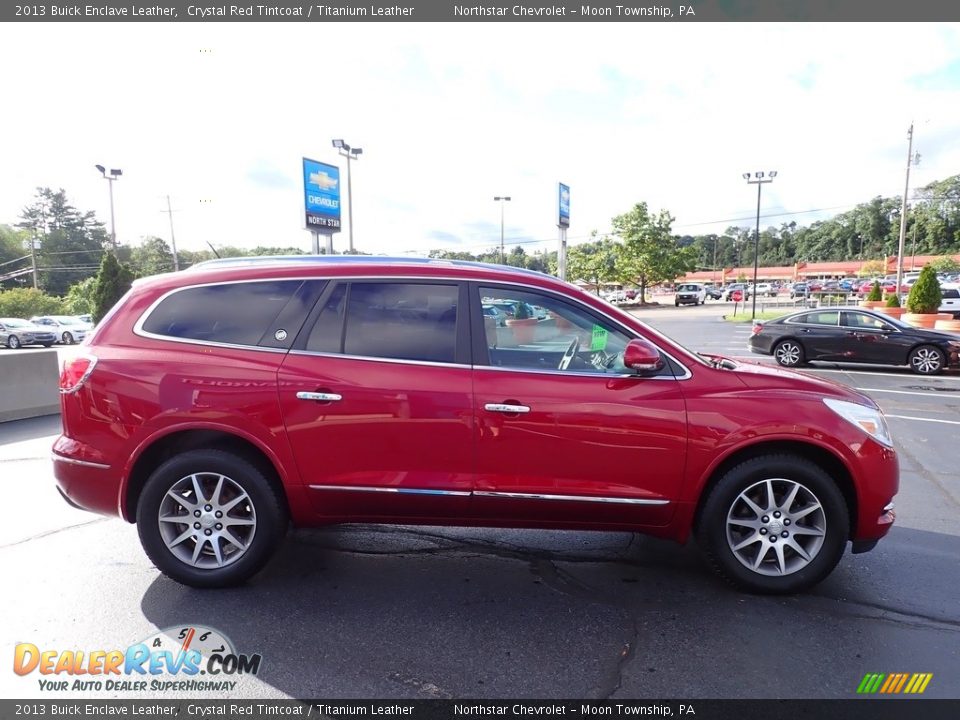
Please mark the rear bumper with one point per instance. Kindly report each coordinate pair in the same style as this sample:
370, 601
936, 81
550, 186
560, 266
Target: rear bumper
83, 483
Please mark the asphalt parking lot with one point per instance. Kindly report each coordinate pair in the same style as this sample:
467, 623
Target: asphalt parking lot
354, 611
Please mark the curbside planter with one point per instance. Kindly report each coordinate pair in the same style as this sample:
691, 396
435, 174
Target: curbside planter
948, 325
924, 320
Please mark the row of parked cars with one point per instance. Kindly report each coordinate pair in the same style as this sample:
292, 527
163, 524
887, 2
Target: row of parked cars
44, 330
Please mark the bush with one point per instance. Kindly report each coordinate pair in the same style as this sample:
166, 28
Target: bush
27, 302
876, 293
113, 281
925, 295
893, 301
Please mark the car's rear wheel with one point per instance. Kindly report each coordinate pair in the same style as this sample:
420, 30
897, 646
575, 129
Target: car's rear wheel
774, 524
208, 518
13, 342
788, 353
67, 338
927, 360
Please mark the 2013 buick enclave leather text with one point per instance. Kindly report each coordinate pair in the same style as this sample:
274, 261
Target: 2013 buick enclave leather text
217, 406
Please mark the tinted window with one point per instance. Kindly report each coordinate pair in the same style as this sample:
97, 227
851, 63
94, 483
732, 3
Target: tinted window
864, 321
327, 333
236, 314
949, 294
402, 321
818, 318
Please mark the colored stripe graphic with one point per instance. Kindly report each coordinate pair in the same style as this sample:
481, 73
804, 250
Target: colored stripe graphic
894, 683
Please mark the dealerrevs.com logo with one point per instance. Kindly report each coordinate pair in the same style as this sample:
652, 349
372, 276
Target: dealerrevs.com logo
177, 659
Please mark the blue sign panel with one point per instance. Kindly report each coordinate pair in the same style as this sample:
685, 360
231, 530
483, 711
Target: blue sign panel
564, 220
321, 196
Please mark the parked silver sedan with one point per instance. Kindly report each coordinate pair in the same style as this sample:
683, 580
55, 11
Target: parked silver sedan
66, 328
15, 333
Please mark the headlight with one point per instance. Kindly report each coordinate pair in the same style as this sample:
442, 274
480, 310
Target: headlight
868, 419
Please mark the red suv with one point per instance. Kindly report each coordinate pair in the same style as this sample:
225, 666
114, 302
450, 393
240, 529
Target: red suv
217, 406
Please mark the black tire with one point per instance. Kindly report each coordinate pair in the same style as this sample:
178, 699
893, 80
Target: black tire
676, 303
927, 360
67, 338
46, 345
717, 537
264, 505
13, 342
789, 353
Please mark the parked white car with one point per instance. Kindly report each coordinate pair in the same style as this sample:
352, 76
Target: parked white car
690, 294
66, 328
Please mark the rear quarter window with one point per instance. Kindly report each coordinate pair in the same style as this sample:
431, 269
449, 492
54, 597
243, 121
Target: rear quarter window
232, 313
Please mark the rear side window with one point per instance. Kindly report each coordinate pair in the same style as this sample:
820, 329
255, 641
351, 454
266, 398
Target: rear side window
391, 320
234, 313
818, 318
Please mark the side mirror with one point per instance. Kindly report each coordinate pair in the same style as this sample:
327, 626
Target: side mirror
642, 356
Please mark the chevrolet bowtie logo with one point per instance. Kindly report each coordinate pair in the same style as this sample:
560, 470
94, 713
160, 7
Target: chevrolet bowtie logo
322, 180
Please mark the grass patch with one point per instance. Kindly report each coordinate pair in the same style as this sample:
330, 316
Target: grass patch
744, 317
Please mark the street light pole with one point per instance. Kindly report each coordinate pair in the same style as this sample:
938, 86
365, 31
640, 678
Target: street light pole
350, 154
114, 174
759, 181
501, 199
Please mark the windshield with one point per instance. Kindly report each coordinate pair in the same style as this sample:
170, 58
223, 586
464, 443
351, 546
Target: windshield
12, 322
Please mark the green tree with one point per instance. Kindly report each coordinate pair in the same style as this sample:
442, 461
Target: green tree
945, 265
876, 292
594, 262
112, 283
650, 253
925, 295
79, 299
71, 241
151, 257
26, 302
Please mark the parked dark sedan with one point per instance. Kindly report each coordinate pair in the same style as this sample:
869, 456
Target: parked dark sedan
854, 335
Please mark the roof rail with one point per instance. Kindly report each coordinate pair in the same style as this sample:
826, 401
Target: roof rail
350, 260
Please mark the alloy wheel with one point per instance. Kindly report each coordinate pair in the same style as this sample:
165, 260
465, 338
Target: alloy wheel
926, 360
207, 520
788, 354
776, 527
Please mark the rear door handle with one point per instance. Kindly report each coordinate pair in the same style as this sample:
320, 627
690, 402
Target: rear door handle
502, 408
319, 396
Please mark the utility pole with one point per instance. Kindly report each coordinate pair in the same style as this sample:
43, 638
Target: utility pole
173, 241
903, 209
33, 260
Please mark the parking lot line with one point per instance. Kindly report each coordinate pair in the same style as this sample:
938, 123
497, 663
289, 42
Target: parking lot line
901, 392
910, 417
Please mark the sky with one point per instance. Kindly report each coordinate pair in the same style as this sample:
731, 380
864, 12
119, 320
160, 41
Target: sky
449, 115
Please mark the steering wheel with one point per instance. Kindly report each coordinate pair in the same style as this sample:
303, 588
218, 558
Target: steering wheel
570, 353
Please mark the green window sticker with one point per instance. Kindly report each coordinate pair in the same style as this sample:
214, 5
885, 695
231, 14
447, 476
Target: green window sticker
598, 340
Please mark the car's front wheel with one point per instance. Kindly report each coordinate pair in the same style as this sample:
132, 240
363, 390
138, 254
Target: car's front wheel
67, 338
13, 342
927, 360
788, 353
208, 518
774, 524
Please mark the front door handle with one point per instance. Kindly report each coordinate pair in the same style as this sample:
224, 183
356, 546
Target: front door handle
503, 408
319, 396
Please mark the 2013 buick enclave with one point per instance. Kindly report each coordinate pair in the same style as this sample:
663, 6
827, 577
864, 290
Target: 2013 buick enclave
215, 407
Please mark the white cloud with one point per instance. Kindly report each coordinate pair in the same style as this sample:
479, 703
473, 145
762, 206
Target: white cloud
450, 115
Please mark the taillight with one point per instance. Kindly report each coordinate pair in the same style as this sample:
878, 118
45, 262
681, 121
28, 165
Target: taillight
75, 372
757, 328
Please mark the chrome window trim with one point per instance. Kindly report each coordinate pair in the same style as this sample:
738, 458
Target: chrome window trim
428, 363
570, 498
74, 461
401, 491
